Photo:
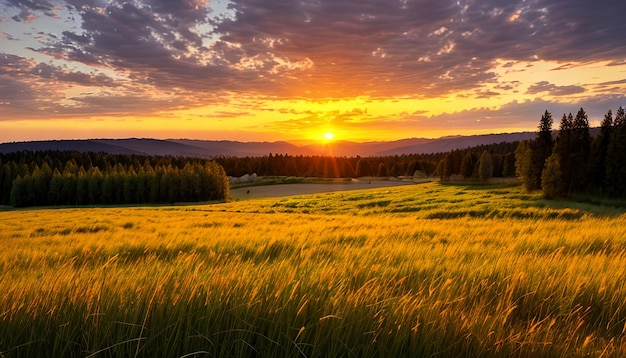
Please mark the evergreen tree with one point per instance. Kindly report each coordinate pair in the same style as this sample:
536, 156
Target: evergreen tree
599, 148
551, 178
108, 189
382, 170
581, 148
17, 192
564, 150
468, 164
82, 190
485, 166
56, 186
523, 160
452, 164
94, 186
41, 184
508, 165
8, 170
541, 149
616, 156
363, 168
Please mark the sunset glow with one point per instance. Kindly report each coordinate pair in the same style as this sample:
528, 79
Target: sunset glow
268, 71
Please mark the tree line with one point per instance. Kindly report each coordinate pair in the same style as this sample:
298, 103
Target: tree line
83, 178
74, 178
478, 163
573, 161
328, 166
444, 164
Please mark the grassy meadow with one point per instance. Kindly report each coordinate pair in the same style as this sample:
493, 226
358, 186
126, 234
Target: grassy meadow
426, 270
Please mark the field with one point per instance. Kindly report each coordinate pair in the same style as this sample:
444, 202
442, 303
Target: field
427, 270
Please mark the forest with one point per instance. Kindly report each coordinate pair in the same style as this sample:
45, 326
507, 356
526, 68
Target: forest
575, 162
73, 178
426, 165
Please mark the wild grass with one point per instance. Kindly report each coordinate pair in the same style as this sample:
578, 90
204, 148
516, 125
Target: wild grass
423, 270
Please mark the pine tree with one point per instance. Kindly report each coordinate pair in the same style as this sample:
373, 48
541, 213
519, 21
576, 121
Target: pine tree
56, 186
363, 168
485, 166
523, 160
541, 149
563, 149
581, 148
551, 178
94, 186
17, 192
468, 164
82, 191
452, 164
599, 148
382, 170
616, 156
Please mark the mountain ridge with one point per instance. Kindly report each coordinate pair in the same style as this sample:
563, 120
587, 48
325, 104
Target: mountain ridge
226, 148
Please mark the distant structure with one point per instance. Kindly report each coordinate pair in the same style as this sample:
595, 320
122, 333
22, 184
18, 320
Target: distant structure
246, 178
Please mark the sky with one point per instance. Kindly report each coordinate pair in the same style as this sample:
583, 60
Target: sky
271, 70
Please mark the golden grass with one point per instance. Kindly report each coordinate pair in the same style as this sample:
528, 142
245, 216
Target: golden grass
408, 271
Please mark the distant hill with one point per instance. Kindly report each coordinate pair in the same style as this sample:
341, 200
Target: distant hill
366, 149
210, 149
462, 142
174, 147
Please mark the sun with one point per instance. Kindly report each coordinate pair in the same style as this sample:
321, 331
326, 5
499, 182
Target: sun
329, 136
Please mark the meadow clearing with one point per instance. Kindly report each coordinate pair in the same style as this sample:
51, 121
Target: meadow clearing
427, 270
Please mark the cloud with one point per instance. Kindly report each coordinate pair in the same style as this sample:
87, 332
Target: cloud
29, 7
38, 90
163, 54
332, 48
554, 90
10, 37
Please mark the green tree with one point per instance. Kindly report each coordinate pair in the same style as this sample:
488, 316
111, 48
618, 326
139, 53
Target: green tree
485, 166
8, 170
94, 186
108, 189
616, 156
541, 149
599, 149
382, 170
41, 184
363, 168
580, 150
82, 190
523, 159
451, 164
17, 192
56, 185
129, 187
468, 164
508, 165
551, 178
564, 150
